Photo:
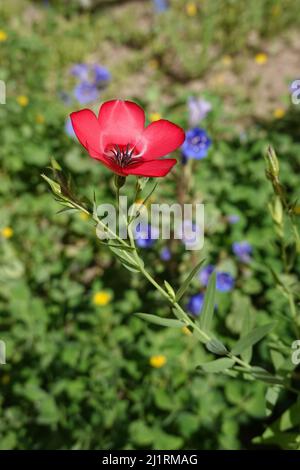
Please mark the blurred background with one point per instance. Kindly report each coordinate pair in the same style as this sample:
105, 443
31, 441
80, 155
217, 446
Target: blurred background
81, 371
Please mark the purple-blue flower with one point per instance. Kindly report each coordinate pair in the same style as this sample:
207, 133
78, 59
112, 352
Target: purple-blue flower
69, 128
92, 73
165, 254
160, 5
85, 92
145, 235
224, 282
243, 251
196, 144
80, 71
233, 219
205, 273
198, 109
195, 304
101, 74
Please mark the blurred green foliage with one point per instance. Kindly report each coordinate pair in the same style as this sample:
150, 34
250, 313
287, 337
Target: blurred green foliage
78, 374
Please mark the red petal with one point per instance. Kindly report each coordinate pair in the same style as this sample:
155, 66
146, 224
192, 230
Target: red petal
87, 129
121, 122
153, 168
160, 138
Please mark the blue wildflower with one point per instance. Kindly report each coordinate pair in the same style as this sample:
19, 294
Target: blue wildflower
233, 219
101, 74
205, 273
243, 251
224, 282
196, 144
160, 5
85, 92
165, 254
145, 235
80, 71
198, 109
195, 304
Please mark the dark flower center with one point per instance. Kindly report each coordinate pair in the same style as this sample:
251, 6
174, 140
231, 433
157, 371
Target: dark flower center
122, 155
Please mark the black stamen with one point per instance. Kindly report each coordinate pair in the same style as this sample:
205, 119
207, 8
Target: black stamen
122, 156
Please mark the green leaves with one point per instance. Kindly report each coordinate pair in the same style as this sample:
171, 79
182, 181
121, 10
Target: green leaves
209, 304
219, 365
125, 258
251, 338
170, 322
187, 281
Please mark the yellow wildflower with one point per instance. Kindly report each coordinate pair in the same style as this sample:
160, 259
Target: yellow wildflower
39, 119
191, 9
3, 35
278, 113
7, 232
261, 58
153, 64
101, 298
276, 10
155, 117
22, 100
227, 60
158, 361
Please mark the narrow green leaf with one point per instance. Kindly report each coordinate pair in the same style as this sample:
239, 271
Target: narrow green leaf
209, 304
170, 322
251, 338
219, 365
264, 376
246, 355
216, 347
127, 261
187, 281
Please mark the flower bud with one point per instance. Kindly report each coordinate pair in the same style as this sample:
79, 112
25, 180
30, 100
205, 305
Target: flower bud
273, 163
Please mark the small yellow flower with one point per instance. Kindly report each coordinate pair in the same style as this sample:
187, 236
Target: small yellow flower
276, 10
22, 100
226, 60
7, 232
191, 9
185, 330
155, 117
5, 379
261, 58
3, 36
278, 113
101, 298
39, 119
153, 64
84, 216
157, 361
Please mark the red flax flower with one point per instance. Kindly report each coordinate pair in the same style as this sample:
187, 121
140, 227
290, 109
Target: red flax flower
119, 139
